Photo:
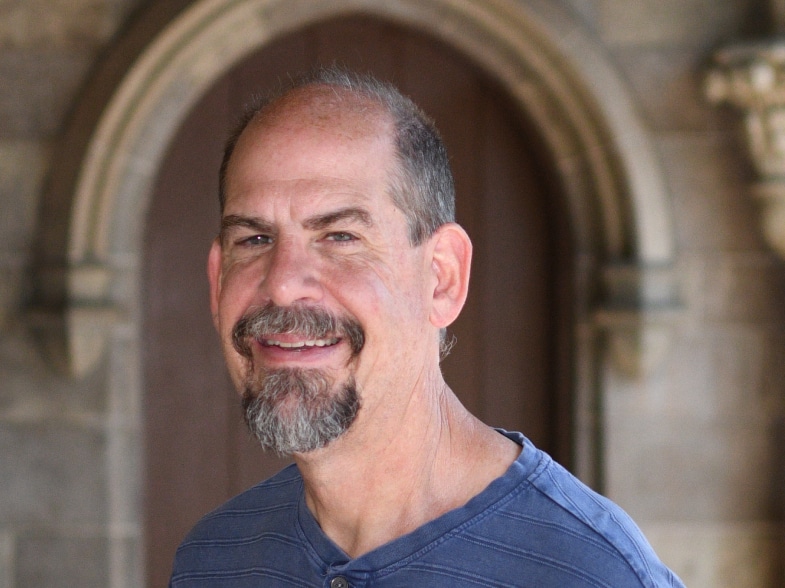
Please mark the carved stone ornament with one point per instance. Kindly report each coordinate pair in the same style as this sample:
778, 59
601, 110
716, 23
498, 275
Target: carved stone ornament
751, 77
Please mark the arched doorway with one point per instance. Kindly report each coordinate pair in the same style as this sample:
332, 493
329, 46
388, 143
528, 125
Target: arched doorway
511, 365
93, 217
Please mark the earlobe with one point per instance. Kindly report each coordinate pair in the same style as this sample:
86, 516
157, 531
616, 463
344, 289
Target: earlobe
214, 259
451, 263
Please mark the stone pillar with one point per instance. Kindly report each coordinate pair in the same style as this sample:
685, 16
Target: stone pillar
752, 78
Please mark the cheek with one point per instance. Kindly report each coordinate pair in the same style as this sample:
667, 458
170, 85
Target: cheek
240, 278
236, 296
390, 295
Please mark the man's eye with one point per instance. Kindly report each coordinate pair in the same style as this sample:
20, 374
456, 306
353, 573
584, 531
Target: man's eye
340, 236
255, 241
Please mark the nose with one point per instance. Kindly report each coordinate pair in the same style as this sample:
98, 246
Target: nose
291, 275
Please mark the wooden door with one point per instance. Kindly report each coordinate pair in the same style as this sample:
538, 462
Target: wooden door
511, 363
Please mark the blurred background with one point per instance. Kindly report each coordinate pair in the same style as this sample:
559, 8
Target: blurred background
620, 167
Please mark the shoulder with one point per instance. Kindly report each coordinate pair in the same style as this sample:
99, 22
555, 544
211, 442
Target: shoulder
262, 504
587, 530
234, 542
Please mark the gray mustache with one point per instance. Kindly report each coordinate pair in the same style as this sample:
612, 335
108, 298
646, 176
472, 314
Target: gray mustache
309, 322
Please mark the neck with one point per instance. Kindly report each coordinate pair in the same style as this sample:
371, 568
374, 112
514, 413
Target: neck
376, 484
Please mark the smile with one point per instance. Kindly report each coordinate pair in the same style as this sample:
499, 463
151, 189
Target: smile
300, 344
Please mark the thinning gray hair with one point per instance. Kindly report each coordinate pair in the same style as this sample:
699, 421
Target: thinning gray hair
421, 185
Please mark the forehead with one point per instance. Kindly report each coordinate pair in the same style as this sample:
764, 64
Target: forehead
314, 134
323, 105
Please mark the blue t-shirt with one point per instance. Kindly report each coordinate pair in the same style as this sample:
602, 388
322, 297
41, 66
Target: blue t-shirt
537, 526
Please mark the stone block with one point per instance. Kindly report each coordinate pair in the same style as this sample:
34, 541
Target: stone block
6, 559
713, 207
12, 285
667, 83
718, 377
32, 390
52, 475
125, 470
746, 287
778, 477
37, 90
669, 469
691, 270
733, 288
127, 569
23, 165
713, 377
774, 375
588, 10
702, 438
672, 22
73, 24
57, 561
717, 555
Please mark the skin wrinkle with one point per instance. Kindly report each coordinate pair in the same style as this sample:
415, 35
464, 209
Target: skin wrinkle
315, 224
394, 463
234, 221
371, 256
355, 213
414, 505
419, 182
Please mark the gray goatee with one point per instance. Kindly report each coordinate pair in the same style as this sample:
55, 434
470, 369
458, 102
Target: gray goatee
295, 410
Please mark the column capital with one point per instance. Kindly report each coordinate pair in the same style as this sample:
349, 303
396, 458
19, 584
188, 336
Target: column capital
751, 77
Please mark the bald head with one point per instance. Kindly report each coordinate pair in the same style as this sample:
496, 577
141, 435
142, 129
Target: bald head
349, 105
334, 111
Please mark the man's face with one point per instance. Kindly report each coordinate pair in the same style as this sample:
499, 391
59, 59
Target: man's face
320, 301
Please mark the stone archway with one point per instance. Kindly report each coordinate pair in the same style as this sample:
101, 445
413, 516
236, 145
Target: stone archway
94, 214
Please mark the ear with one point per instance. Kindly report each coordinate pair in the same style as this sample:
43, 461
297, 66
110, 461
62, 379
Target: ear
451, 265
214, 262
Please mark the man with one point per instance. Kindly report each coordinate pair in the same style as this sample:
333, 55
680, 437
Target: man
337, 268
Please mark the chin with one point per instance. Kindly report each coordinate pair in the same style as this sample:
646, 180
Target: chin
298, 411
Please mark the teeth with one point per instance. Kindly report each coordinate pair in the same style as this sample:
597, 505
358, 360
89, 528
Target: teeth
302, 344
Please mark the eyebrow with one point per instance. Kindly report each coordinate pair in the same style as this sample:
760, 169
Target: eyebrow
314, 223
231, 221
249, 222
352, 213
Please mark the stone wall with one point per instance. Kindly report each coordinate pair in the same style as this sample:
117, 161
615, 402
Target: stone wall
711, 415
708, 418
54, 507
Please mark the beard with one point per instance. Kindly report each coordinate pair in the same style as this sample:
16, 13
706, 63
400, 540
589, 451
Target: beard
295, 410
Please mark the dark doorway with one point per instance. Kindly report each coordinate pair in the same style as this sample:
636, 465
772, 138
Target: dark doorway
511, 365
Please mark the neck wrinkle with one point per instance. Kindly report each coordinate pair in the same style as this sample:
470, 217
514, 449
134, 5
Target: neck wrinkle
364, 496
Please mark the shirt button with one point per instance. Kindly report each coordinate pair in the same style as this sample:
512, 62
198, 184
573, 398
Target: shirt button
339, 582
